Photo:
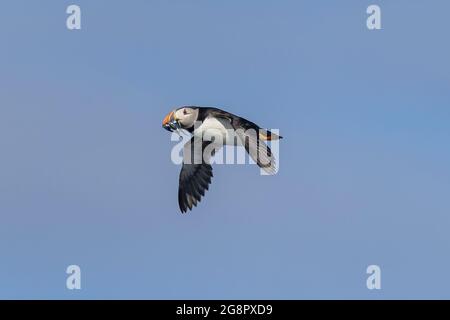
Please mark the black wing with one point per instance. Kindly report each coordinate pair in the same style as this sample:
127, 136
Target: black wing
195, 175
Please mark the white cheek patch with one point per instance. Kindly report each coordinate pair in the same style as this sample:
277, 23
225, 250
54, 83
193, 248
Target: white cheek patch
187, 120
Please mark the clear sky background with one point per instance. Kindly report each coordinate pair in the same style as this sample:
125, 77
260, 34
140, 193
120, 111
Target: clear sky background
85, 170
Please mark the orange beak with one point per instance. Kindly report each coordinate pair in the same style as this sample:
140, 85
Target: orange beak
168, 118
169, 121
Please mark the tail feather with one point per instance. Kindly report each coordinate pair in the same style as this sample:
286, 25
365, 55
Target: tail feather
267, 135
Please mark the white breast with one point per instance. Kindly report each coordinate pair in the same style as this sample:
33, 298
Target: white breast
215, 127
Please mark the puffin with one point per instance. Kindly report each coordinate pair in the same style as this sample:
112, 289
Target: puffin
210, 129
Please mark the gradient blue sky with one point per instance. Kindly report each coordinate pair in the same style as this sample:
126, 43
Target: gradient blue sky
85, 170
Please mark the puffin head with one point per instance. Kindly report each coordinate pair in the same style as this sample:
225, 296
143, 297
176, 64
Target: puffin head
181, 118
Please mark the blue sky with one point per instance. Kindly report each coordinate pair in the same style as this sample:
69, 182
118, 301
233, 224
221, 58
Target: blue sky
85, 170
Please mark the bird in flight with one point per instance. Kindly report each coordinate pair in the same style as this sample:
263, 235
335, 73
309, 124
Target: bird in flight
226, 129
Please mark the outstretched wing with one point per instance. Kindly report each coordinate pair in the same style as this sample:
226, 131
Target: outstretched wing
196, 172
252, 137
258, 150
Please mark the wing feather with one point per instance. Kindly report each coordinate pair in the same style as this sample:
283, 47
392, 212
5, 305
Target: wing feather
258, 150
195, 176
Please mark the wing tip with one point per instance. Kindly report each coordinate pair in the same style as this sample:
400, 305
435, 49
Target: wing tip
191, 191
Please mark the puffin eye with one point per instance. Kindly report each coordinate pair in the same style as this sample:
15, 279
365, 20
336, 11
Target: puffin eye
185, 112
